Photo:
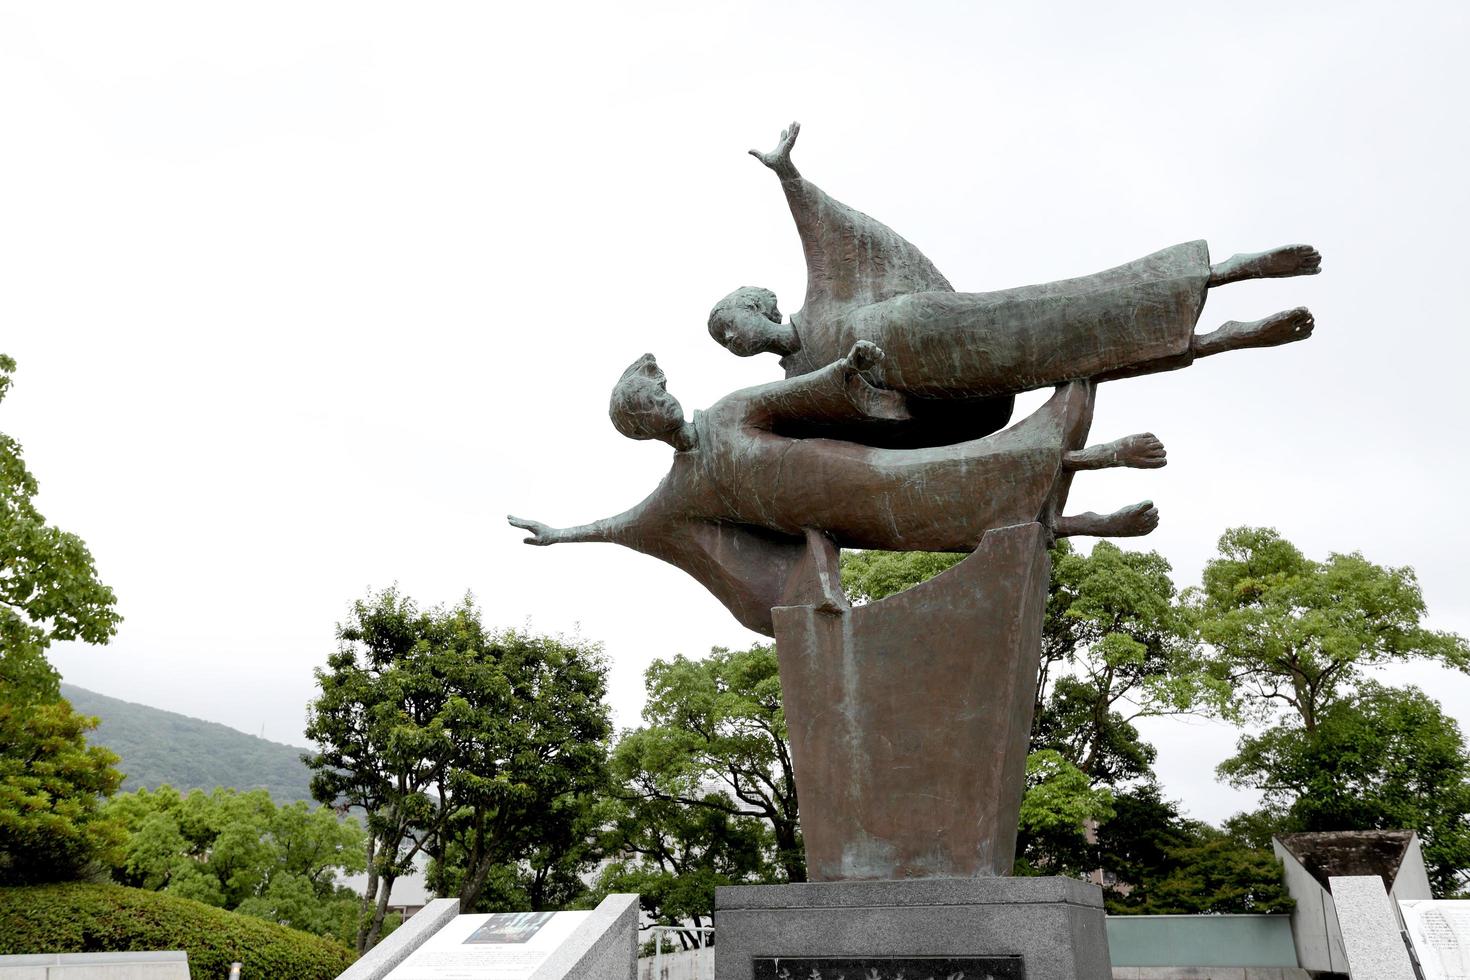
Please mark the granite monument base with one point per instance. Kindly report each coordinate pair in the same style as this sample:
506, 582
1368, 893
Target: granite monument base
1011, 928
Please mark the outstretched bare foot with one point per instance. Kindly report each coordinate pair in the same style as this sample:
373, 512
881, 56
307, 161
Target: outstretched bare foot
1143, 451
1278, 263
1130, 522
1286, 327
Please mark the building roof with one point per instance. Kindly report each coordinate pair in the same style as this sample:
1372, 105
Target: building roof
1350, 852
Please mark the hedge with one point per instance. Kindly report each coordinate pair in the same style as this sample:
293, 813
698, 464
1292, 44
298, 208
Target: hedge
85, 918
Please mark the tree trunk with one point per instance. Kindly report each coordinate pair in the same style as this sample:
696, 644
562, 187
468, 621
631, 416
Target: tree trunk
474, 882
790, 854
380, 912
369, 896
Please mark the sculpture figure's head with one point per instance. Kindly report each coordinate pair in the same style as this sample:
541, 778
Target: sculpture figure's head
641, 406
748, 322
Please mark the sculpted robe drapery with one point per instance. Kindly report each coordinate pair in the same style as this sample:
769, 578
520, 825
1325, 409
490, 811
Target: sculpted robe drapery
959, 356
733, 512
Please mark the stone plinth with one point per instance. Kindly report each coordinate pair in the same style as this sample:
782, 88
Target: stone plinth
1032, 928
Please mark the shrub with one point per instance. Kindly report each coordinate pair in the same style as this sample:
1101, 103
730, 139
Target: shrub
88, 918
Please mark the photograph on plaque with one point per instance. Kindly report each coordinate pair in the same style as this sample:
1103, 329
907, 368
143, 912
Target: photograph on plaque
510, 927
889, 968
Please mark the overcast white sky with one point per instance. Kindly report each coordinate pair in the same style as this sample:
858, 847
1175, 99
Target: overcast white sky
306, 297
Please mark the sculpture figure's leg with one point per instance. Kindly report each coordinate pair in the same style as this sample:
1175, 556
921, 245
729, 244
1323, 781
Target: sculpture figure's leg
1130, 522
1278, 263
1143, 451
1286, 327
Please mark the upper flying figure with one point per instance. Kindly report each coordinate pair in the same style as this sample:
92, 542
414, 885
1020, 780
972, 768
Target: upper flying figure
959, 357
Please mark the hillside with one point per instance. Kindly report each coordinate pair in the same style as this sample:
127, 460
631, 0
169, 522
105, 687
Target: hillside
160, 747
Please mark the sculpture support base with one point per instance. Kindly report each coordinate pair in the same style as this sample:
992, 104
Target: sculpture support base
909, 717
1011, 928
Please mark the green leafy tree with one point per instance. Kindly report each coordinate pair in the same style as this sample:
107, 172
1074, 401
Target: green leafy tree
1382, 758
1059, 807
868, 576
529, 731
1295, 635
481, 750
714, 723
52, 827
49, 588
1156, 862
51, 782
1299, 639
239, 851
1116, 647
1215, 875
675, 854
381, 728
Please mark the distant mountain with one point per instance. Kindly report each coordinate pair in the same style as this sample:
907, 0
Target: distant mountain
160, 747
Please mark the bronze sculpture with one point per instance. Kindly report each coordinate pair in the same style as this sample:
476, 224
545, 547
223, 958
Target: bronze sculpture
888, 433
740, 497
955, 356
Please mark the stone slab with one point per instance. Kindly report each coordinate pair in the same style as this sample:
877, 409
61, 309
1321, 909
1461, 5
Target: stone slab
379, 961
133, 965
604, 947
1055, 925
601, 944
1370, 929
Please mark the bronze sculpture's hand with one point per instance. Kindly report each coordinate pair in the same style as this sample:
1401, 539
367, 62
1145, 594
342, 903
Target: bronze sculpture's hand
540, 533
779, 159
864, 355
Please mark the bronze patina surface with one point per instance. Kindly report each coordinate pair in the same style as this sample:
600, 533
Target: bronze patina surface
909, 717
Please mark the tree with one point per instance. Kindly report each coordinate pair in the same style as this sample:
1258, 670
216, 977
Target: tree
675, 854
718, 722
529, 729
239, 851
1295, 635
1059, 806
706, 795
51, 784
1214, 875
1114, 625
868, 576
478, 749
380, 727
50, 780
1381, 758
49, 588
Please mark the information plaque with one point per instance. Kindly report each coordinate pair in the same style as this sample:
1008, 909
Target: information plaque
500, 946
1440, 932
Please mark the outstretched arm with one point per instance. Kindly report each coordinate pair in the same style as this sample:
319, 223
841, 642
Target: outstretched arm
835, 393
850, 258
542, 535
779, 159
